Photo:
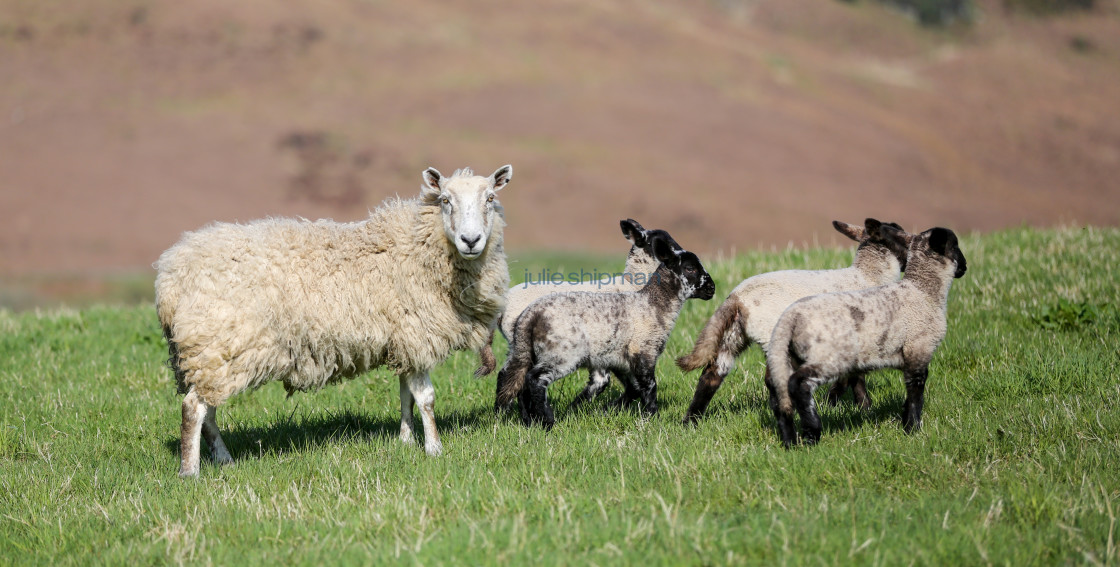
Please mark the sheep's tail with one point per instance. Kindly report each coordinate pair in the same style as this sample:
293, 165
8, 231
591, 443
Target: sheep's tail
778, 363
722, 332
518, 362
486, 361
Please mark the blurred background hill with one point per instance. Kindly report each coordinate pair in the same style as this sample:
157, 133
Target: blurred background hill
734, 124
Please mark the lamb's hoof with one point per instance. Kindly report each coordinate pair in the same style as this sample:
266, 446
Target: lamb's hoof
223, 460
690, 419
433, 449
406, 438
188, 473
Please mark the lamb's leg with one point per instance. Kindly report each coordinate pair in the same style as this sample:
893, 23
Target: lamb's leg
420, 384
858, 384
784, 420
218, 451
915, 378
801, 386
629, 395
194, 414
710, 381
595, 384
407, 424
534, 399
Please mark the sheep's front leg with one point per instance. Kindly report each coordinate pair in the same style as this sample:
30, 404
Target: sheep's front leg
915, 378
420, 384
407, 423
534, 399
646, 381
194, 414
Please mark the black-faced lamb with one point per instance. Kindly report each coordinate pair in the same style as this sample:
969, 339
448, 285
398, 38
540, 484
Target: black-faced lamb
640, 266
312, 303
753, 307
822, 338
622, 332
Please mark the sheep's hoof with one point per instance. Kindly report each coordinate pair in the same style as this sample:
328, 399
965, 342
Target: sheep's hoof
690, 419
188, 474
434, 449
406, 437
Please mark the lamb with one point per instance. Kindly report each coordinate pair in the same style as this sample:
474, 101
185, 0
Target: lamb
640, 265
753, 307
313, 303
623, 332
897, 325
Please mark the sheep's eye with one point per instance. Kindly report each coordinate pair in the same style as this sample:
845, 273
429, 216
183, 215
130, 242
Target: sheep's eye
446, 201
489, 198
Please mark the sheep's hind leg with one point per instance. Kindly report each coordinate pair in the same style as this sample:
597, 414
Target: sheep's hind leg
218, 451
785, 421
710, 381
534, 399
915, 378
194, 415
595, 384
420, 384
858, 384
801, 387
407, 424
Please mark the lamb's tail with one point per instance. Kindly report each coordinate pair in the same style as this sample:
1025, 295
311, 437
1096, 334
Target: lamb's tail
486, 361
722, 332
518, 362
778, 363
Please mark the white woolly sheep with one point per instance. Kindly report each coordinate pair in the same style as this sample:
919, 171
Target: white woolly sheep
753, 307
623, 332
640, 266
312, 303
832, 335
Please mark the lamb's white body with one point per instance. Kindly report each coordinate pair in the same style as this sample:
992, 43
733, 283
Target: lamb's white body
311, 303
751, 309
832, 335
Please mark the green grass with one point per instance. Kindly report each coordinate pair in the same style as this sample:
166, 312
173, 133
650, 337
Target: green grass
1017, 462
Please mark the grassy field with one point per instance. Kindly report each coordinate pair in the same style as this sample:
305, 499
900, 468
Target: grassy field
1017, 463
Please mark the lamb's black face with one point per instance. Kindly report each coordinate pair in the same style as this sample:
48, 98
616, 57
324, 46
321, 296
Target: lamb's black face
890, 236
944, 242
694, 276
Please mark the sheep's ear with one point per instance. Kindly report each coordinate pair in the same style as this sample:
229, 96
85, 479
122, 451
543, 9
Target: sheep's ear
432, 177
664, 252
855, 232
871, 228
501, 177
633, 232
940, 240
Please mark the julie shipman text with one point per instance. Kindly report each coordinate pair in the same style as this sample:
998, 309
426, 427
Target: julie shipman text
547, 276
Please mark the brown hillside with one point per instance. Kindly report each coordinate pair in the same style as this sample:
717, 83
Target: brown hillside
732, 124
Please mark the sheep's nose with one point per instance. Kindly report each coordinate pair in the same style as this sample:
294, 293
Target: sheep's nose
470, 241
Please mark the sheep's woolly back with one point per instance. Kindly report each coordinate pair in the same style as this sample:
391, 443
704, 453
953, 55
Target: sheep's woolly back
310, 303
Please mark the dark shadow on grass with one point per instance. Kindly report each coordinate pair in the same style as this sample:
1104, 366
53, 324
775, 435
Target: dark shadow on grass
294, 434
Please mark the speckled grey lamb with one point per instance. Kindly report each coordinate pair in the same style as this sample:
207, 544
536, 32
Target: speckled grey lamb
825, 337
753, 307
640, 265
623, 332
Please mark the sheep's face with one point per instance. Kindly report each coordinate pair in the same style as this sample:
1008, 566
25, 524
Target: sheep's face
939, 249
469, 203
642, 258
696, 283
888, 237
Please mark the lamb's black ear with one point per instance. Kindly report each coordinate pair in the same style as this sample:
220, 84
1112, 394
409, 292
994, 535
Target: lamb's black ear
664, 252
852, 231
432, 178
941, 240
633, 232
872, 228
501, 177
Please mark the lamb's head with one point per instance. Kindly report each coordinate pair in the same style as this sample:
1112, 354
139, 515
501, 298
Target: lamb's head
686, 266
888, 238
469, 203
641, 258
937, 249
